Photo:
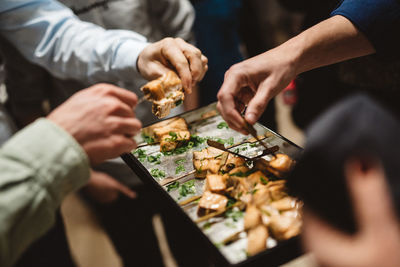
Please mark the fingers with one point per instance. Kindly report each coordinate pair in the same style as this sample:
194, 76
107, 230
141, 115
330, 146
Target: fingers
124, 126
258, 103
197, 61
124, 95
172, 52
226, 99
370, 194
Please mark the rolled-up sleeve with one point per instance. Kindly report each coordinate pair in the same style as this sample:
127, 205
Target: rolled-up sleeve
50, 35
379, 20
39, 166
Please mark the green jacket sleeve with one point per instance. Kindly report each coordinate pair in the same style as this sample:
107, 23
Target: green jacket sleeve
39, 166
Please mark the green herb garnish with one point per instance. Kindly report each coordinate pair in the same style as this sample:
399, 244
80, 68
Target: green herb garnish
263, 180
154, 159
234, 214
222, 125
207, 225
141, 155
156, 173
172, 186
253, 144
185, 146
179, 102
231, 202
180, 169
148, 139
187, 188
180, 161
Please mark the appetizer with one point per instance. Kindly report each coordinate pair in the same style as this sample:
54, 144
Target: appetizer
169, 133
165, 92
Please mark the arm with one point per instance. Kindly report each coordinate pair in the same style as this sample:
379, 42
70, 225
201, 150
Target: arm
44, 162
48, 34
35, 176
255, 81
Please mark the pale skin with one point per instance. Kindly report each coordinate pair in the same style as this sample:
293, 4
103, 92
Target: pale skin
377, 241
101, 119
100, 142
254, 82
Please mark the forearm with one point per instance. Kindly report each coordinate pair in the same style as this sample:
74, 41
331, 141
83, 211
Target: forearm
48, 34
39, 166
333, 40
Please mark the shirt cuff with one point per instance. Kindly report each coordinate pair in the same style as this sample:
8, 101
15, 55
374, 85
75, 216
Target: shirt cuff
378, 20
126, 59
60, 163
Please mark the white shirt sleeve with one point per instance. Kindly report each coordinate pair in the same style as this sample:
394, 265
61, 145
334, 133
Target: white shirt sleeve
50, 35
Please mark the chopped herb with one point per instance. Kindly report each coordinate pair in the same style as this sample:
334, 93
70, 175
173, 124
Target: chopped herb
263, 180
173, 137
180, 169
242, 174
148, 139
253, 144
187, 188
230, 141
219, 245
156, 173
192, 143
222, 125
179, 102
237, 150
234, 214
240, 194
231, 202
230, 224
172, 186
244, 148
180, 161
154, 159
207, 225
252, 192
141, 155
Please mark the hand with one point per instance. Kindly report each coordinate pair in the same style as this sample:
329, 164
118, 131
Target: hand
173, 53
377, 241
101, 119
105, 189
253, 83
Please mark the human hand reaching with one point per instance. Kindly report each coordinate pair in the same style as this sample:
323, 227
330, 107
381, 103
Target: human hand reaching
101, 119
105, 189
173, 54
253, 83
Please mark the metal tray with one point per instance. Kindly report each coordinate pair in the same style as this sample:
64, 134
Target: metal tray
185, 215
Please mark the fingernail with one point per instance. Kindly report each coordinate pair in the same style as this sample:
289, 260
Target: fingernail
251, 118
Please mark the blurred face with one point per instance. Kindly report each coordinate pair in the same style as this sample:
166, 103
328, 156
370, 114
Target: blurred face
377, 241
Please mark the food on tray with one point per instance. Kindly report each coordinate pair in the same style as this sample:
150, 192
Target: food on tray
212, 202
257, 239
216, 183
169, 133
208, 160
246, 196
269, 211
165, 92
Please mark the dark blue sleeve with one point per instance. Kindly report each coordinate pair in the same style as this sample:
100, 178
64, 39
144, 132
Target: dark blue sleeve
379, 20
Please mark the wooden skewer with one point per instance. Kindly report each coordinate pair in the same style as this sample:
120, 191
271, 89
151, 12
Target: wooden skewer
194, 198
169, 180
216, 213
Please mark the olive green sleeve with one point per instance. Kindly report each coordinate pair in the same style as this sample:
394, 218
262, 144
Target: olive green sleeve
39, 166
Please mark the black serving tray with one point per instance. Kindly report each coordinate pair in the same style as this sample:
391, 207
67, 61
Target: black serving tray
185, 236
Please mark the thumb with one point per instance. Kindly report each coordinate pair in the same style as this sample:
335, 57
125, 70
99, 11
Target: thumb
258, 103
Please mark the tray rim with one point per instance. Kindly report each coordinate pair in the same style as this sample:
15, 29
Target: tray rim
147, 178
